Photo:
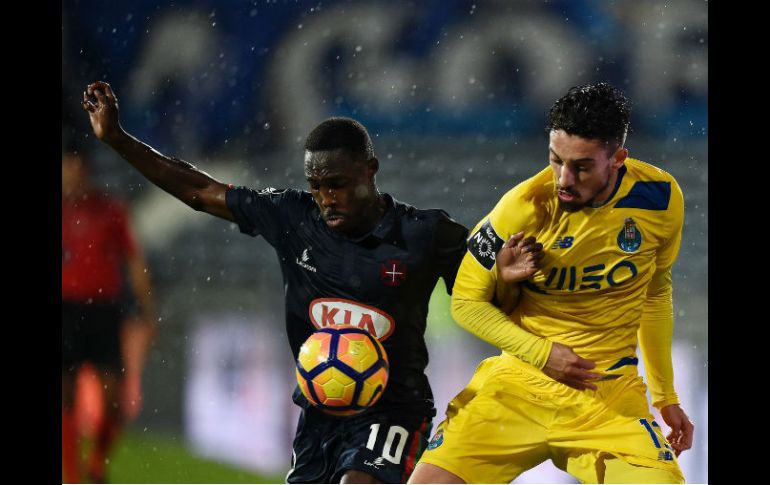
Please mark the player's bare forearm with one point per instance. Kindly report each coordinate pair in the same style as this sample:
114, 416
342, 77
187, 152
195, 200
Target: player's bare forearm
181, 179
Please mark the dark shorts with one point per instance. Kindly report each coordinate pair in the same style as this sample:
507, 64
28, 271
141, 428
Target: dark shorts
91, 333
384, 442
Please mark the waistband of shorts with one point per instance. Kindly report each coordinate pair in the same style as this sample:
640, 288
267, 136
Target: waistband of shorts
610, 369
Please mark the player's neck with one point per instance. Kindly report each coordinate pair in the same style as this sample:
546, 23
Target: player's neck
375, 209
609, 189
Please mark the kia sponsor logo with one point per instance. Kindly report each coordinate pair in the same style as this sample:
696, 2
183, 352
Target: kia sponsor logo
325, 312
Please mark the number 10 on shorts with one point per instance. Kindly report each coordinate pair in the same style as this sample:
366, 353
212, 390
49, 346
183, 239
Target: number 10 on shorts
395, 433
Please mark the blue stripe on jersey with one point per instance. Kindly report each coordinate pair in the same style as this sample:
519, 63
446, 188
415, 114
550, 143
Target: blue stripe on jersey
647, 195
624, 361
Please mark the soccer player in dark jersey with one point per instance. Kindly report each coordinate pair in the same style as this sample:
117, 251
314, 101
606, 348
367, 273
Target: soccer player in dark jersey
348, 254
97, 328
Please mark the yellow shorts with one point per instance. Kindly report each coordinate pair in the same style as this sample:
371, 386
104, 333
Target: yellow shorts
512, 417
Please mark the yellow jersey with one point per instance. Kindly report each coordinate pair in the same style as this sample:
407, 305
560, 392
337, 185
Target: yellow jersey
604, 284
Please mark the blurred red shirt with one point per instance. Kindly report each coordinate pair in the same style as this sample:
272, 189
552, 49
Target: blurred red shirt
96, 240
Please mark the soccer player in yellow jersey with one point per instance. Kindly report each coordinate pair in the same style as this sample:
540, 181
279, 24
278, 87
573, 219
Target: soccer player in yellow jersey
565, 386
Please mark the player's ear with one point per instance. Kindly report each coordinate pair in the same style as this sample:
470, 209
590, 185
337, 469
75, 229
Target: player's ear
619, 158
373, 166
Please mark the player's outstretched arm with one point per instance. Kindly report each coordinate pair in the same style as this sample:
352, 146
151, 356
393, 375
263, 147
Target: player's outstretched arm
180, 179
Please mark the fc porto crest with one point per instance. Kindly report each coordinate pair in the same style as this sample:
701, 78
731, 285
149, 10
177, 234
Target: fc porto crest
437, 440
630, 237
393, 272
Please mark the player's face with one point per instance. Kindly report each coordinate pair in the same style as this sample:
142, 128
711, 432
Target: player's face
342, 186
585, 170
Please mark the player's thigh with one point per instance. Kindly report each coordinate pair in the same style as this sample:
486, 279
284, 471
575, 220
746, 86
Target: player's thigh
315, 448
386, 443
620, 471
593, 466
355, 476
429, 473
619, 428
491, 439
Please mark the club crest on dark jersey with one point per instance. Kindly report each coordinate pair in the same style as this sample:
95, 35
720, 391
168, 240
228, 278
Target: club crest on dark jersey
484, 245
630, 237
393, 272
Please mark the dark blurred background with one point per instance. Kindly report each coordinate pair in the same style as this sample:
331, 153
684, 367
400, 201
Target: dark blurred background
454, 94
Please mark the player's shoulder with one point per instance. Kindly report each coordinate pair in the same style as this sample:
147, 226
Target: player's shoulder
526, 203
646, 172
539, 187
277, 196
409, 214
650, 187
427, 224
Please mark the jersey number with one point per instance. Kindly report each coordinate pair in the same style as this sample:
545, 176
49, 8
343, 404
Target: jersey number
395, 433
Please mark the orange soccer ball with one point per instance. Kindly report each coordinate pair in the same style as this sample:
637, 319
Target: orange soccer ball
342, 369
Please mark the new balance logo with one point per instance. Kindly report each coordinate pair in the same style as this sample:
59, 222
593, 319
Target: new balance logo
563, 242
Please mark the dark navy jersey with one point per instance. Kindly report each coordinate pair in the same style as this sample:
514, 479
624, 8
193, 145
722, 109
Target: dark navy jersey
381, 282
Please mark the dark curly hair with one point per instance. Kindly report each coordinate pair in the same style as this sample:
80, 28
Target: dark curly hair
339, 132
593, 111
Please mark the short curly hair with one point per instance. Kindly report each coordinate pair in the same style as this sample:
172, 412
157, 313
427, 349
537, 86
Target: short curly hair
593, 111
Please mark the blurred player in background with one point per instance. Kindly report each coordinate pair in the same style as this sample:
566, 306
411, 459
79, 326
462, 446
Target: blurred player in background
566, 385
98, 248
348, 254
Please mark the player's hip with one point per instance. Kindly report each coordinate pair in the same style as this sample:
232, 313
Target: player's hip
508, 380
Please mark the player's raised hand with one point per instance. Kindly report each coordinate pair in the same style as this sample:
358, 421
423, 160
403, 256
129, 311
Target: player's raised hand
102, 107
519, 258
567, 367
682, 429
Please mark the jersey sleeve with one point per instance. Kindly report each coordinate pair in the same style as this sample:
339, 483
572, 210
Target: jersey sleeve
657, 326
259, 212
475, 286
449, 248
